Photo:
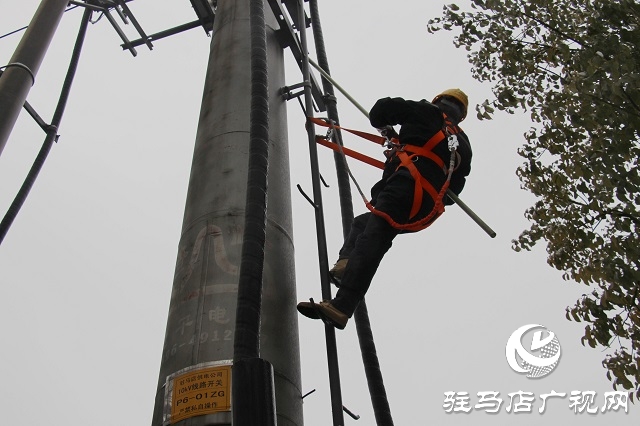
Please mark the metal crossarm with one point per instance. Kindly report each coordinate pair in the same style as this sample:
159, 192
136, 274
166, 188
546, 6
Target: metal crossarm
206, 13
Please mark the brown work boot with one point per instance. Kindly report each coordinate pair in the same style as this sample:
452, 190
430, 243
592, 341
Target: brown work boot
324, 311
337, 272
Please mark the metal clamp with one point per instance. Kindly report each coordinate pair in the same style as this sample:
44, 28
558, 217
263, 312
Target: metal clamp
24, 67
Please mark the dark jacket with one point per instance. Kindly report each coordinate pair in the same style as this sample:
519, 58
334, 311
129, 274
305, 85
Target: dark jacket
419, 121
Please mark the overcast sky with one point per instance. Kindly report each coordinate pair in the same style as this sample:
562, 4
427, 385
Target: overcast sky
87, 268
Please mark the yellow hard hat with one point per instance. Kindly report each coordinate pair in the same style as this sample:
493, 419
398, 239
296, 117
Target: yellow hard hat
456, 94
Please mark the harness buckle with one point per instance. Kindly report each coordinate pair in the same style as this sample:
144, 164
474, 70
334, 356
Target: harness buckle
452, 142
329, 134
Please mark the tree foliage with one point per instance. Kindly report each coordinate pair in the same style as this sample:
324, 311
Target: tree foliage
574, 65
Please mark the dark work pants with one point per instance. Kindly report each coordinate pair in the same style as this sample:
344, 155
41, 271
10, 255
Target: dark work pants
370, 238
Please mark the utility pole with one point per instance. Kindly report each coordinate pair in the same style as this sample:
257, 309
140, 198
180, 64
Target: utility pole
20, 73
194, 381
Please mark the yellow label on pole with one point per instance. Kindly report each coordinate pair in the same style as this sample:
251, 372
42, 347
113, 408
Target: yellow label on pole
199, 392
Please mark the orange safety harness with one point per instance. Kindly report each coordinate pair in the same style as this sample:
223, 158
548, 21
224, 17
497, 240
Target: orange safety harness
407, 154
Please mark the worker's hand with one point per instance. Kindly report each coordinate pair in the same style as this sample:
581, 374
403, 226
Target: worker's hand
389, 153
388, 132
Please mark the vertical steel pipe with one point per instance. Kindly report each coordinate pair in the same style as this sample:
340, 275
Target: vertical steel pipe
202, 312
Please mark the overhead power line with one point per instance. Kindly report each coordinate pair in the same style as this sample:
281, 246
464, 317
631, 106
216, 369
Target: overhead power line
25, 27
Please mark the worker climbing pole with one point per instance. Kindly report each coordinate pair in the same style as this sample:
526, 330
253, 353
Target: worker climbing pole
377, 391
431, 155
447, 110
481, 223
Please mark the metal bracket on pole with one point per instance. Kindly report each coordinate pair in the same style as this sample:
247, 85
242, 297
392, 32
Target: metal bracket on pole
350, 413
304, 194
43, 124
124, 12
206, 12
206, 16
287, 38
166, 33
27, 106
287, 91
116, 27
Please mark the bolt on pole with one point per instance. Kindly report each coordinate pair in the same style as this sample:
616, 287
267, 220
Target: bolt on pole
20, 73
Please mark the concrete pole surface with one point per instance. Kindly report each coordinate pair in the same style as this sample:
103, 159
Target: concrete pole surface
200, 325
19, 74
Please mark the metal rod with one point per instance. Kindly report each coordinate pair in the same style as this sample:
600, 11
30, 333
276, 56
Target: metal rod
471, 214
136, 24
330, 331
163, 34
337, 86
304, 194
120, 32
308, 393
87, 5
121, 14
486, 228
351, 413
34, 114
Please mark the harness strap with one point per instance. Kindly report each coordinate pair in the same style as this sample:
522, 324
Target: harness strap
380, 140
420, 183
351, 153
437, 210
406, 154
426, 151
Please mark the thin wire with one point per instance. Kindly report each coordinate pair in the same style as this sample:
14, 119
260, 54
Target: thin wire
13, 32
24, 28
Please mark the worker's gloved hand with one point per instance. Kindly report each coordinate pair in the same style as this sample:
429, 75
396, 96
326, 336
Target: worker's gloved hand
388, 132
